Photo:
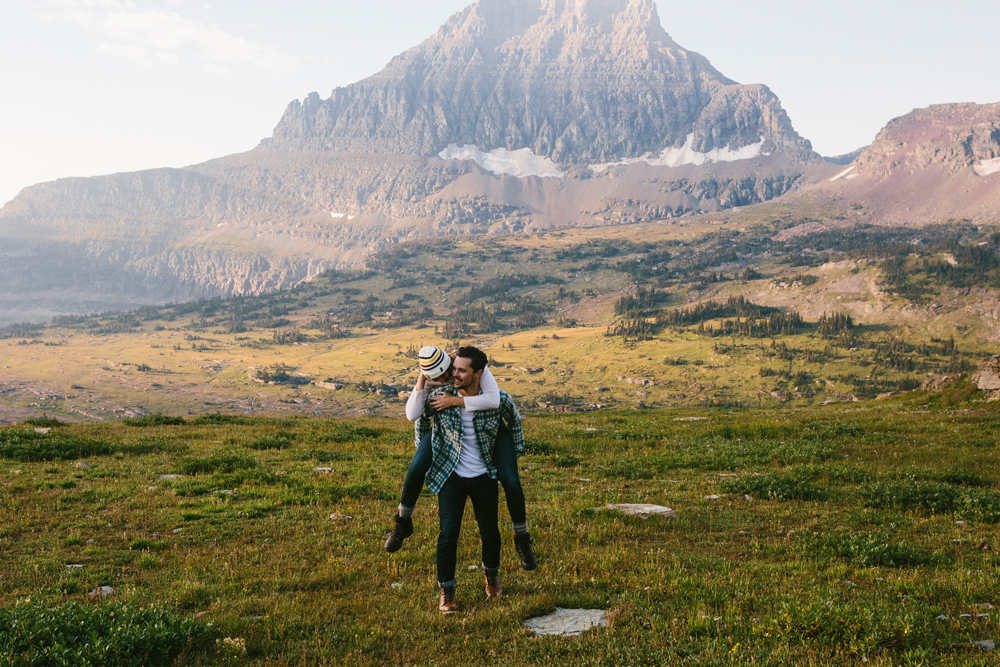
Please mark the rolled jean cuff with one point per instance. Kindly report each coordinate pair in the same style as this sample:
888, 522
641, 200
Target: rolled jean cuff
448, 584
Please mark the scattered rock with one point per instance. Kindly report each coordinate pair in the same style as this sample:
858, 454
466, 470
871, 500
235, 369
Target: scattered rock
961, 524
937, 382
152, 488
690, 419
582, 479
83, 465
600, 389
74, 566
335, 386
986, 645
340, 517
942, 618
747, 497
645, 511
200, 614
178, 531
397, 585
225, 492
91, 541
171, 476
473, 567
43, 431
103, 591
712, 497
323, 469
212, 545
567, 622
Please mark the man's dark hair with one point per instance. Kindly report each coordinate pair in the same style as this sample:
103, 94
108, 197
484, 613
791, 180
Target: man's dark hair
474, 355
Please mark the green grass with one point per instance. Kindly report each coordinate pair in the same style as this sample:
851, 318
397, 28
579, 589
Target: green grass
848, 546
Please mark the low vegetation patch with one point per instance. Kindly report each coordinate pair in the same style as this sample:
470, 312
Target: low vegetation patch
153, 420
933, 497
790, 486
28, 445
835, 622
873, 549
76, 635
276, 441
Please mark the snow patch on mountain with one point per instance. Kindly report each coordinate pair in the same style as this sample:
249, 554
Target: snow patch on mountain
843, 174
676, 157
499, 161
987, 167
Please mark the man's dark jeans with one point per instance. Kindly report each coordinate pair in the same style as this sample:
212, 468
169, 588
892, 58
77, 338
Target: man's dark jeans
504, 458
451, 507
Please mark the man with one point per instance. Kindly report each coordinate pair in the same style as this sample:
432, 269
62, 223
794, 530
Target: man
463, 467
436, 367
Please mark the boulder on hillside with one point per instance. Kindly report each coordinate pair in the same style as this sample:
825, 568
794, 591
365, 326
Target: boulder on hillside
987, 378
937, 382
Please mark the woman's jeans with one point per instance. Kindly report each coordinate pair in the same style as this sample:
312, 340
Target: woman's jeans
451, 506
504, 458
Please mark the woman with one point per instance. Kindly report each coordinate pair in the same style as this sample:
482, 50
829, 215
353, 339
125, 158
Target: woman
435, 371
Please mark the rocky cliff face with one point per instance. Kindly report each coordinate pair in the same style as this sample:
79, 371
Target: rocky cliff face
574, 81
518, 115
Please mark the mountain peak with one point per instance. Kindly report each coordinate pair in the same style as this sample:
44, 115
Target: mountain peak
573, 81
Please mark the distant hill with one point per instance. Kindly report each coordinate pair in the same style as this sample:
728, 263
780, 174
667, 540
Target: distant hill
938, 163
517, 115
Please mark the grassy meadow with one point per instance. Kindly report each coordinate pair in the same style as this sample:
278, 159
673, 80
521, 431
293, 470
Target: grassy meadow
834, 540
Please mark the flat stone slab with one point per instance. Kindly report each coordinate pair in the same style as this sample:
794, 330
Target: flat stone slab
644, 511
987, 645
567, 622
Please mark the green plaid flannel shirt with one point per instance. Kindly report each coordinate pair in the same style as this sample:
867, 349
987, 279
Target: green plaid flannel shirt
446, 435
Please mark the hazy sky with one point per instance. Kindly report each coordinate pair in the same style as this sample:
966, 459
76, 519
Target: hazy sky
98, 86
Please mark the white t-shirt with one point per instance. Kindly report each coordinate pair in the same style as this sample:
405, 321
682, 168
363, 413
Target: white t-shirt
470, 460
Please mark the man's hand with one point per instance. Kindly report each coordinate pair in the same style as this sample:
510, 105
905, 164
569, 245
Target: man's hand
440, 403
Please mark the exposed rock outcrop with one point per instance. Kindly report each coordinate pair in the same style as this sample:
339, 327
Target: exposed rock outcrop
987, 378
